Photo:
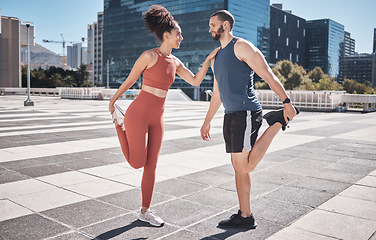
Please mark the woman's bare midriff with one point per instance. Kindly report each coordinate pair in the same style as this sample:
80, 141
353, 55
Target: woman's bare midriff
155, 91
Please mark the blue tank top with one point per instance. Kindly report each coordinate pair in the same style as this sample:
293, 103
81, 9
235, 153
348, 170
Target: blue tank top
235, 81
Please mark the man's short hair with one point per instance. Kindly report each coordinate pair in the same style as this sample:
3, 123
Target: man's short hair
225, 15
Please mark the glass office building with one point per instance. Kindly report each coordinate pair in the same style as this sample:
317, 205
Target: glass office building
374, 40
325, 46
287, 36
125, 36
361, 68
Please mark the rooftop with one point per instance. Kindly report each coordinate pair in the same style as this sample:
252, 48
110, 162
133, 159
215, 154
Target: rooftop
63, 176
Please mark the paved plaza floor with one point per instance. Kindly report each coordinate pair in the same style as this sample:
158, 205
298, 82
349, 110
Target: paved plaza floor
63, 176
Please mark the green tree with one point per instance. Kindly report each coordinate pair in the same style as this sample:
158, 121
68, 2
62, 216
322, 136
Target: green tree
328, 83
292, 76
352, 86
261, 85
57, 80
82, 75
24, 76
316, 74
308, 85
293, 81
38, 78
69, 81
285, 68
278, 74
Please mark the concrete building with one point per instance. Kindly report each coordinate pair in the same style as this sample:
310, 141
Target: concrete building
74, 55
84, 55
10, 52
98, 49
287, 36
94, 50
325, 46
125, 36
349, 45
90, 53
361, 67
374, 40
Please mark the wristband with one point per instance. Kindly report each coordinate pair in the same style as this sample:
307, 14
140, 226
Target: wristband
287, 100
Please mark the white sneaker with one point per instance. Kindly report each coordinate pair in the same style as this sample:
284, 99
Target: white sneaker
118, 115
149, 217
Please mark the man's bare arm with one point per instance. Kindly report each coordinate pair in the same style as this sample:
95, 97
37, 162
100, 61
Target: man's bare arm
251, 55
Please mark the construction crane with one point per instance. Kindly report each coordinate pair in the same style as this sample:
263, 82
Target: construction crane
63, 42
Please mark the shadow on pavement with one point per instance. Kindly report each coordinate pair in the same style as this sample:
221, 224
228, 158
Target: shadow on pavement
118, 231
226, 234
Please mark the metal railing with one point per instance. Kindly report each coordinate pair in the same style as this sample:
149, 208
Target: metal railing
305, 100
80, 92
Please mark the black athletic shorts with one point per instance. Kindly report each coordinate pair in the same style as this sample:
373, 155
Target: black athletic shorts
240, 130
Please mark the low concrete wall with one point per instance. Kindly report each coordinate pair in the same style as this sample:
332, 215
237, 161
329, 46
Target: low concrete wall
305, 100
33, 91
359, 102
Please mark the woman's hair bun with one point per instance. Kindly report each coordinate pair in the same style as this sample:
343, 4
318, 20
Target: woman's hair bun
158, 20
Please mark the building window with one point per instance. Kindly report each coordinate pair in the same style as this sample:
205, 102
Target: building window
279, 32
303, 32
297, 44
297, 23
297, 58
287, 41
290, 56
276, 54
284, 19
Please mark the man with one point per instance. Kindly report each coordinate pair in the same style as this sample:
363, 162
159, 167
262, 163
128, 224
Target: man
233, 68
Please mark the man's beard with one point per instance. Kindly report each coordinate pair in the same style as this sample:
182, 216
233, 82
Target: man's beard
218, 34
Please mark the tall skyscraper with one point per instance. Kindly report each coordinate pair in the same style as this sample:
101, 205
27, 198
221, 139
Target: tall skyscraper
84, 55
374, 40
349, 45
325, 46
90, 52
125, 36
74, 55
10, 49
287, 36
98, 48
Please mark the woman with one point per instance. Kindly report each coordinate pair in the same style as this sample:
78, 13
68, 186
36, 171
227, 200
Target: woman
142, 132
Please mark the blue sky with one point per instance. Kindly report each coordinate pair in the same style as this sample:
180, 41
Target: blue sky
358, 16
54, 17
71, 17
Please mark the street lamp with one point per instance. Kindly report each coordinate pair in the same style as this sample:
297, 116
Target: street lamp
28, 101
108, 72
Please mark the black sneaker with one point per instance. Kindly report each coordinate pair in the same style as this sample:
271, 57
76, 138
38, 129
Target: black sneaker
237, 221
277, 116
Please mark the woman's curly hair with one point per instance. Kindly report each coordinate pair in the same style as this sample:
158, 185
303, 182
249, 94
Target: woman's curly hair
159, 20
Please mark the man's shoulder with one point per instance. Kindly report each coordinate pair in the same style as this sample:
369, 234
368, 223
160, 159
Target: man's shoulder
244, 48
243, 43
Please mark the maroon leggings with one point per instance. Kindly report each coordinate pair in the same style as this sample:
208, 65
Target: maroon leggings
141, 142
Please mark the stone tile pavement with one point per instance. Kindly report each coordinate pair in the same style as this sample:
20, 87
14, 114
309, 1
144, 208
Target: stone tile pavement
62, 176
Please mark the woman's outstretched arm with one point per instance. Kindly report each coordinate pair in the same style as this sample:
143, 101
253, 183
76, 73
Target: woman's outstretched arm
139, 66
188, 76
